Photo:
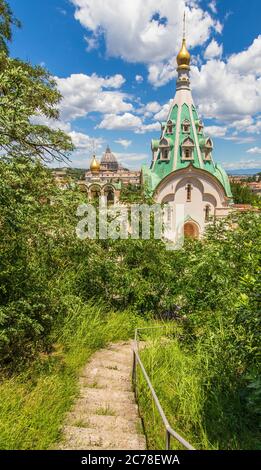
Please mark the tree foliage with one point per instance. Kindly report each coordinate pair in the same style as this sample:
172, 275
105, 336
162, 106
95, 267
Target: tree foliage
7, 20
242, 194
28, 96
28, 92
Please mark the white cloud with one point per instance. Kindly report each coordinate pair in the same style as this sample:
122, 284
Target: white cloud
242, 124
216, 131
132, 160
213, 6
79, 139
92, 42
83, 141
255, 127
160, 74
248, 61
139, 78
255, 150
149, 109
128, 121
62, 11
213, 50
225, 94
155, 126
152, 107
52, 123
133, 32
123, 142
83, 94
238, 139
163, 113
242, 164
125, 121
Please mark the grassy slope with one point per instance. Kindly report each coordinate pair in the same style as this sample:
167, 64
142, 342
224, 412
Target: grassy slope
33, 404
209, 417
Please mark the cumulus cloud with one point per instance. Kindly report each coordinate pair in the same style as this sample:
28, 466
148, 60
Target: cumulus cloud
213, 50
85, 142
153, 27
139, 78
248, 61
213, 6
123, 142
163, 113
149, 109
216, 131
223, 93
255, 150
122, 122
160, 74
80, 140
239, 139
132, 160
242, 164
83, 94
155, 126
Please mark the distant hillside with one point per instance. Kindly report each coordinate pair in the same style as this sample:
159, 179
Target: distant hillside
253, 171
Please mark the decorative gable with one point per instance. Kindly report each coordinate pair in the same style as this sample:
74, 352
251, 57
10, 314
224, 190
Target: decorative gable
170, 126
186, 126
165, 145
187, 148
209, 143
206, 146
199, 126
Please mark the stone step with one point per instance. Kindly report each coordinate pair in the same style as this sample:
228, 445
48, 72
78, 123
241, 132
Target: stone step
107, 396
90, 439
99, 381
114, 374
110, 364
85, 407
106, 423
105, 415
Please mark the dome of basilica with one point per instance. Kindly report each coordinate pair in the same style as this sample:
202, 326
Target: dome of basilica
109, 161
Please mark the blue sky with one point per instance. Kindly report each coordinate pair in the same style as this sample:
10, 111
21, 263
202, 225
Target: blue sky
115, 65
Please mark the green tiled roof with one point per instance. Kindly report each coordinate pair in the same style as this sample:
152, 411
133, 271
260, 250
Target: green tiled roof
159, 169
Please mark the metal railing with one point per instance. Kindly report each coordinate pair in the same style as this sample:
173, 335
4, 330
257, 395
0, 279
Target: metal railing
137, 361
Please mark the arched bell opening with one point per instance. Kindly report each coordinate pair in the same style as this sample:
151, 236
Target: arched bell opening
95, 193
191, 230
109, 194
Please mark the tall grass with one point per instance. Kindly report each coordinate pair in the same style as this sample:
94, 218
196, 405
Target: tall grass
199, 405
33, 403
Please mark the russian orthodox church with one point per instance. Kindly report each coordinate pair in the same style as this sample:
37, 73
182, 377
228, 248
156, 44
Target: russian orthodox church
182, 169
106, 178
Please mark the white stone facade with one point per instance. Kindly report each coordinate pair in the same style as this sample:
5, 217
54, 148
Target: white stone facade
201, 194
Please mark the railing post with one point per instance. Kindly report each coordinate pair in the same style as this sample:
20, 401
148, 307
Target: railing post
167, 440
134, 373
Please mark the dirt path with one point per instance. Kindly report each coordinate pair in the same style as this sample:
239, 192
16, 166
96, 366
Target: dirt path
105, 416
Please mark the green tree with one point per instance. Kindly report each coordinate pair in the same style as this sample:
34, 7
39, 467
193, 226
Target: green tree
7, 20
242, 194
27, 94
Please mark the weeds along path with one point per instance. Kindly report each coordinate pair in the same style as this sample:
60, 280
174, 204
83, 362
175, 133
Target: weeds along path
105, 415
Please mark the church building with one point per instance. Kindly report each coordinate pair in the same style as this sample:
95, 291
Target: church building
182, 169
107, 177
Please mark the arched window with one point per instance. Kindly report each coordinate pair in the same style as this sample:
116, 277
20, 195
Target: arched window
189, 189
187, 153
186, 126
207, 213
165, 154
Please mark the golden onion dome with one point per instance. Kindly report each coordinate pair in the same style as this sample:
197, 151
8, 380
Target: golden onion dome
95, 165
183, 57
